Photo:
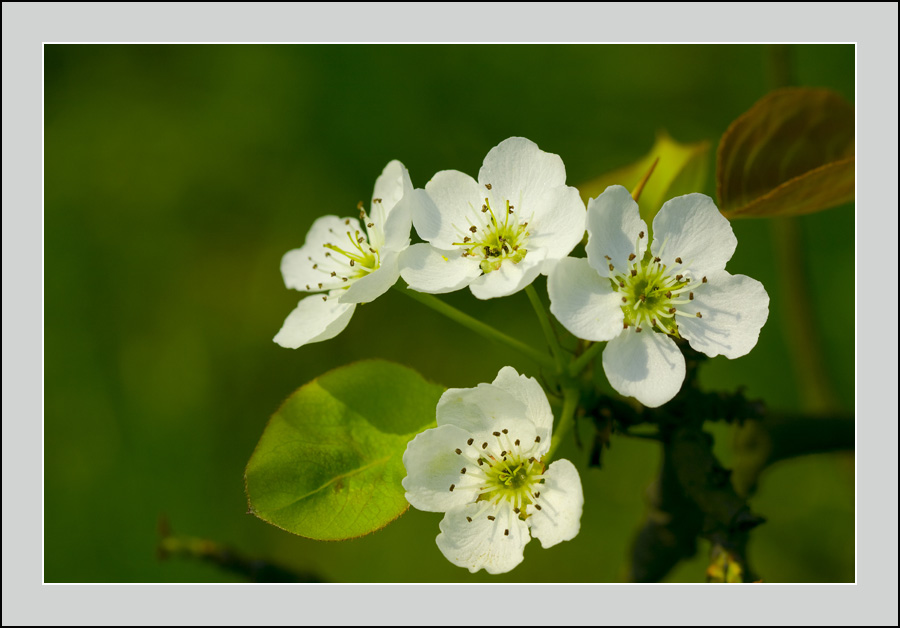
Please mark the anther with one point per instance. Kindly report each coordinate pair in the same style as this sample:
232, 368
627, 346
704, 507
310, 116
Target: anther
624, 299
452, 486
641, 235
699, 315
630, 257
537, 439
480, 461
469, 519
678, 277
505, 431
669, 294
470, 441
344, 279
458, 452
704, 280
634, 272
656, 260
516, 510
625, 326
517, 442
307, 287
503, 453
484, 209
467, 239
376, 200
333, 274
320, 285
352, 263
487, 185
611, 267
463, 470
678, 260
359, 240
484, 445
671, 310
360, 205
537, 494
347, 221
639, 329
621, 284
496, 433
538, 506
370, 224
324, 298
653, 321
608, 257
691, 296
491, 517
506, 533
473, 228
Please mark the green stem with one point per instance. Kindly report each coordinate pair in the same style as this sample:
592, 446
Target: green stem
582, 361
571, 397
545, 325
477, 326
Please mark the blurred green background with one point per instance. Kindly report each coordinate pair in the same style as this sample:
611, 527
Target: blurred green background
176, 176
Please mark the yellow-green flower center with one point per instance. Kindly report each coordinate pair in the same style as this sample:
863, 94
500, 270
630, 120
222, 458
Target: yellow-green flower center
653, 293
495, 240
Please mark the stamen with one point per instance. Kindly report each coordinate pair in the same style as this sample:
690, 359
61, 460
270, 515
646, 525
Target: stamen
470, 441
458, 451
452, 486
487, 185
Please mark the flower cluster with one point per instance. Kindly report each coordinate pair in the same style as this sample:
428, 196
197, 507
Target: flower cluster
486, 464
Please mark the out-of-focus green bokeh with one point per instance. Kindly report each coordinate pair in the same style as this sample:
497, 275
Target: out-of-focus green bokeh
176, 176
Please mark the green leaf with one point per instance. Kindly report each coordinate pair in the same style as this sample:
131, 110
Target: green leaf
682, 169
329, 463
792, 153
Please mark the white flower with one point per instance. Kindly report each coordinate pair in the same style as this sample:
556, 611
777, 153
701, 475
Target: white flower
497, 234
346, 262
483, 466
640, 299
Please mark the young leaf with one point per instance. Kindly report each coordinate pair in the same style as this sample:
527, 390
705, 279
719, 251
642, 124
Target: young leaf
792, 153
682, 169
329, 463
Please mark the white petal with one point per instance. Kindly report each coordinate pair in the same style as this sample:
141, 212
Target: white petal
314, 320
427, 269
509, 278
297, 265
691, 228
557, 222
496, 546
614, 228
432, 466
455, 198
483, 409
367, 289
583, 301
518, 171
529, 392
647, 366
391, 185
561, 502
734, 308
399, 220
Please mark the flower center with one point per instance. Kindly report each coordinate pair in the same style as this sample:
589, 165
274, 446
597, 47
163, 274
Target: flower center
653, 294
493, 240
505, 469
351, 254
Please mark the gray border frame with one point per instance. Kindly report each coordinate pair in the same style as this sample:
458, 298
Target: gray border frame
873, 601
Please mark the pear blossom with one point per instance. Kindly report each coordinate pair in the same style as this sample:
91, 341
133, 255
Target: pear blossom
496, 234
483, 465
640, 298
346, 262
